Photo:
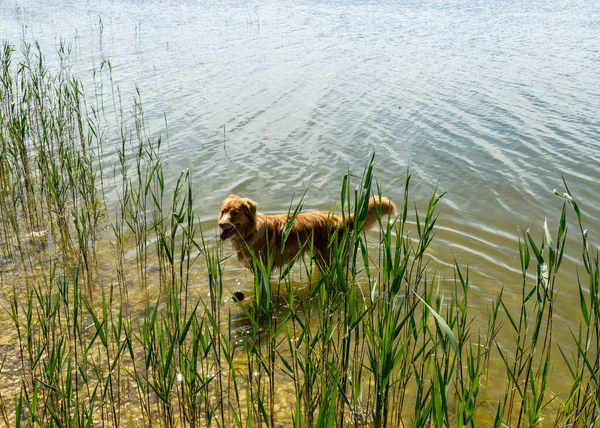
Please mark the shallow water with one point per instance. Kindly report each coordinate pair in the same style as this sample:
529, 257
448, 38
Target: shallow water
493, 101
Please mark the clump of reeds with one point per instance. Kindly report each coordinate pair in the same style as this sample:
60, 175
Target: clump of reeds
372, 338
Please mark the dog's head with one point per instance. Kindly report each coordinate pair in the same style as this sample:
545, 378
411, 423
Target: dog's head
238, 215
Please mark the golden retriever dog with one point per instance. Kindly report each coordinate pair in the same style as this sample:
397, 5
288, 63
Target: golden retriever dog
252, 232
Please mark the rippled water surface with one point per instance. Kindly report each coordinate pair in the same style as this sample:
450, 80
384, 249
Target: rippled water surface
492, 100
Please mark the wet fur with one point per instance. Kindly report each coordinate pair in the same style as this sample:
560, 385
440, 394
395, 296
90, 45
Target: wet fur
252, 232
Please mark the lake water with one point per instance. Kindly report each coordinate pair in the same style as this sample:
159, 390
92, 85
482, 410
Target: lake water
492, 100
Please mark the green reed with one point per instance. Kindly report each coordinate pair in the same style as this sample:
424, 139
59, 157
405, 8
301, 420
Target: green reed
372, 337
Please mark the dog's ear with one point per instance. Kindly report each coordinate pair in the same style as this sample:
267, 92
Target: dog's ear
250, 206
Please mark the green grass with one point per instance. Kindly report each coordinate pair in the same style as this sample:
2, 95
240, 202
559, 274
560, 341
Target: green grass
106, 324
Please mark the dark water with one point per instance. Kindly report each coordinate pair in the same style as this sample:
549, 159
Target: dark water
493, 100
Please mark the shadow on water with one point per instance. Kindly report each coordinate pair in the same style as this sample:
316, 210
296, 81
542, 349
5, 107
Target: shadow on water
247, 316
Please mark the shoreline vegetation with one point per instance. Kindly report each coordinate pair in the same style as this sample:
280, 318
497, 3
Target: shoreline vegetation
374, 341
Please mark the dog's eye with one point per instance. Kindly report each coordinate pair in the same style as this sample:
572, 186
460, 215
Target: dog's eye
233, 212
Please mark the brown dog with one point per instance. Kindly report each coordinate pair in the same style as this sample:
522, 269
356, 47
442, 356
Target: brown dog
252, 232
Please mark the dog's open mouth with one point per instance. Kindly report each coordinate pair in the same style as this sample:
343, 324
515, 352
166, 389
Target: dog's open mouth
228, 233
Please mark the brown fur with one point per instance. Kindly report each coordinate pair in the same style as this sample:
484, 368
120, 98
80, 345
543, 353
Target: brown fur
252, 232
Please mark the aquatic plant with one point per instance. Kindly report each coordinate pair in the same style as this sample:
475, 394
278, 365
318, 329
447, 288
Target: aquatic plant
117, 313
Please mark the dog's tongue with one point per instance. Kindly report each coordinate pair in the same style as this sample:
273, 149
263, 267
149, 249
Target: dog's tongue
227, 233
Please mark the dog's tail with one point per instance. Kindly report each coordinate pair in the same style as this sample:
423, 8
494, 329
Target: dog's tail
379, 207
